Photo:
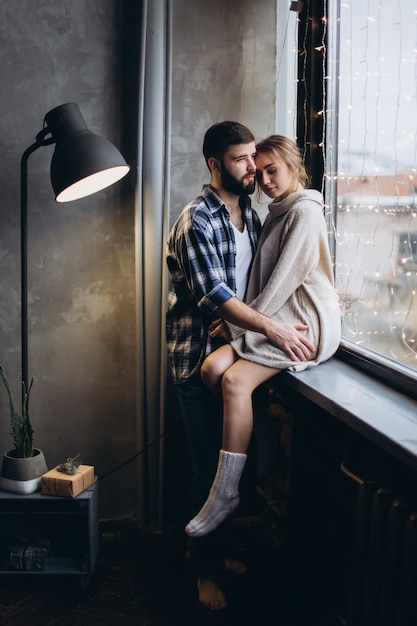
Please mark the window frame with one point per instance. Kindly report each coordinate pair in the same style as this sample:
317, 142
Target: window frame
317, 137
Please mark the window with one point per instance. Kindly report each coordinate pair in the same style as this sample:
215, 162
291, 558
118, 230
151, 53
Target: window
370, 175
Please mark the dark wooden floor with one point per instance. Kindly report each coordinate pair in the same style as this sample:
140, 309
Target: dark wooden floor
142, 578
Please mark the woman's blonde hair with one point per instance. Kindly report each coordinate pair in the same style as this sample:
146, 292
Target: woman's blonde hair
289, 152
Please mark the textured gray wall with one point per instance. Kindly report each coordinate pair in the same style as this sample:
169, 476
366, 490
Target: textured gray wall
224, 56
82, 255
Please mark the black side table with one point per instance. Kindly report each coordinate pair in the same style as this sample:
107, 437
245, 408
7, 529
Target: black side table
64, 529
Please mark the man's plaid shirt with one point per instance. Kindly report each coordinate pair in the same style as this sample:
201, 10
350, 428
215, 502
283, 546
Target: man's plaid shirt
201, 253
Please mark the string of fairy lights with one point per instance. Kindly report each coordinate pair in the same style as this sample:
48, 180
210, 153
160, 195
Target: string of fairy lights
369, 148
373, 131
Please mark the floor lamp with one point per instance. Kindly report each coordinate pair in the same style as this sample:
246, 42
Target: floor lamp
82, 164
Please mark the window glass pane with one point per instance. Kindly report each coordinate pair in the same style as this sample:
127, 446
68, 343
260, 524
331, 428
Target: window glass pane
376, 213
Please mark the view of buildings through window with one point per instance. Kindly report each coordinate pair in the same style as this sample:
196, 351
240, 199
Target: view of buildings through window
375, 218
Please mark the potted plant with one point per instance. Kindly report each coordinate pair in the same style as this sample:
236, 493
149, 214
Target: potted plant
23, 466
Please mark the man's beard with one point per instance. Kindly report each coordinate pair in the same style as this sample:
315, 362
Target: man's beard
233, 185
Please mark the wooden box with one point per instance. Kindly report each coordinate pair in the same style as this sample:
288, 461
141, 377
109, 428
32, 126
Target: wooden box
55, 483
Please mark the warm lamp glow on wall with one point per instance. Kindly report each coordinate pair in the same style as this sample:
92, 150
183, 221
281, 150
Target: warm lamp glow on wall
83, 163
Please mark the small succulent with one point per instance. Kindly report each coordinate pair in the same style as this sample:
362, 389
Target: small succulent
70, 466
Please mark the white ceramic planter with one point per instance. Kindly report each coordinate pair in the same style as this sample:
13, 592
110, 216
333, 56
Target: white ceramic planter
22, 475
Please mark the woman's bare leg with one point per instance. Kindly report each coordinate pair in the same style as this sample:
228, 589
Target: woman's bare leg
238, 383
215, 366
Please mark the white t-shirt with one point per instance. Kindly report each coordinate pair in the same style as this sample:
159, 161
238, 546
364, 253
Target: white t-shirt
243, 260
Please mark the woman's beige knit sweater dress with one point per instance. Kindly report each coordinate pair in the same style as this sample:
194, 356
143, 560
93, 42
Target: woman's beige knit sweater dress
291, 280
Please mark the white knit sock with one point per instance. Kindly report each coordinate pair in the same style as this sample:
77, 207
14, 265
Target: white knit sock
223, 498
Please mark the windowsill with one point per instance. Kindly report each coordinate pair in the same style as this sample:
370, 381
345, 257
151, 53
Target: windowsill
384, 416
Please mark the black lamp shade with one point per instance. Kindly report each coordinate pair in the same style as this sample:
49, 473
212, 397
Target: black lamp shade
83, 162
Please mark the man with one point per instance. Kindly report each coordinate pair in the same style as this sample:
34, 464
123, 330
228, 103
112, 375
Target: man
209, 252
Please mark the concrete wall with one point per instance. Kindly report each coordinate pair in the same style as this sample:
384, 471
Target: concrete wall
224, 56
82, 255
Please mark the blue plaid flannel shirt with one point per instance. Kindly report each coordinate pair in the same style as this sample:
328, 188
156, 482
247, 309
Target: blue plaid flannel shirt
201, 253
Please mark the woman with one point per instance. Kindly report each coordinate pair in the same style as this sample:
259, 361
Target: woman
291, 280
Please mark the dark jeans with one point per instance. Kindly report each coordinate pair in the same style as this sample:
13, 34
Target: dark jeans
202, 415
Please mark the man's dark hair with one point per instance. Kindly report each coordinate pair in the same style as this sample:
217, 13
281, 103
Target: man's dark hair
222, 135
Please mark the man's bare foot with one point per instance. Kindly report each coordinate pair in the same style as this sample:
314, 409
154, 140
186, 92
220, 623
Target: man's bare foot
210, 595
